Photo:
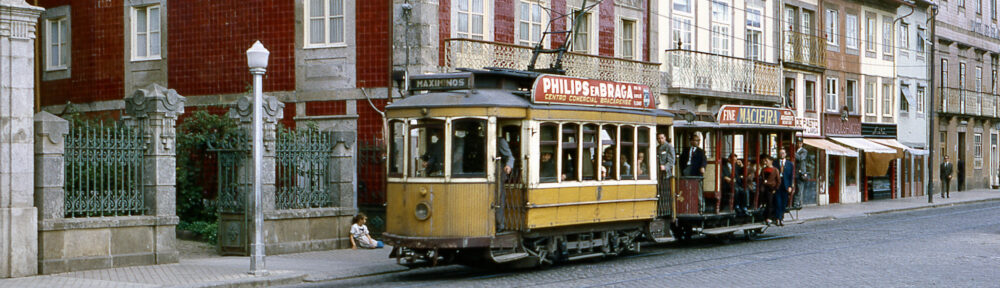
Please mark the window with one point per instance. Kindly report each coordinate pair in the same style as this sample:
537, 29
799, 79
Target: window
471, 19
961, 76
904, 37
547, 163
681, 34
57, 43
682, 6
396, 148
870, 98
979, 6
870, 33
961, 3
920, 99
642, 157
427, 137
146, 32
609, 152
993, 9
627, 144
979, 79
994, 80
581, 37
570, 152
851, 93
754, 34
904, 105
810, 96
887, 35
628, 39
944, 83
468, 148
852, 31
590, 164
831, 27
831, 94
944, 143
887, 97
529, 23
920, 40
326, 23
807, 27
977, 149
720, 27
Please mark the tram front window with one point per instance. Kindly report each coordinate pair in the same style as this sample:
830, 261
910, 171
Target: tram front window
547, 163
427, 141
468, 147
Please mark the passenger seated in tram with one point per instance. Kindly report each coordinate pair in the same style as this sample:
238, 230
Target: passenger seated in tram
548, 168
626, 167
643, 166
608, 161
568, 167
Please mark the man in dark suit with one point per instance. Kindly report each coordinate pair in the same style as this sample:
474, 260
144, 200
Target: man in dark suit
946, 169
787, 170
728, 180
693, 158
961, 174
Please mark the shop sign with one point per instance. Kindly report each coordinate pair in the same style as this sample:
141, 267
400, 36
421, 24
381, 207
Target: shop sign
878, 130
589, 92
810, 126
441, 82
753, 115
836, 124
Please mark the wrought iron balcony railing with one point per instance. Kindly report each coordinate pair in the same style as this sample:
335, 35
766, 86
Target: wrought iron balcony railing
968, 102
805, 49
699, 70
476, 54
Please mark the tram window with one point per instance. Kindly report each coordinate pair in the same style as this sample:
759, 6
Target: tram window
609, 135
589, 162
626, 145
427, 140
397, 132
570, 149
547, 145
468, 148
642, 159
708, 143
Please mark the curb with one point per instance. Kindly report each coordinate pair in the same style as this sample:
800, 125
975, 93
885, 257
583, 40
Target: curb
386, 270
275, 279
932, 206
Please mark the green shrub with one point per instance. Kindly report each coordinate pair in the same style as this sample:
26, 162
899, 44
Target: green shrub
195, 198
206, 230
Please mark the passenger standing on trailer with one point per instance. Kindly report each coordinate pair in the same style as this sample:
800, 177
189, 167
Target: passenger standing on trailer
665, 156
507, 157
785, 188
728, 179
742, 199
693, 159
769, 183
946, 170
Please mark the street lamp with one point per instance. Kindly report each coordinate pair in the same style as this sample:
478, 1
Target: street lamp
257, 61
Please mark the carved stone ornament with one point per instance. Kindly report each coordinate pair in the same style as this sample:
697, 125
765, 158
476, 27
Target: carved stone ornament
345, 137
51, 127
155, 99
273, 109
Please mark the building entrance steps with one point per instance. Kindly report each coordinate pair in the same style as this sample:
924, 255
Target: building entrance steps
332, 265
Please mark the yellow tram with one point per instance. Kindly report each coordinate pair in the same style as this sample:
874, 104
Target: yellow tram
575, 158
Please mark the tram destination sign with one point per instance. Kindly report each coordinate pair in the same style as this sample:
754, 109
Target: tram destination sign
589, 92
441, 82
753, 115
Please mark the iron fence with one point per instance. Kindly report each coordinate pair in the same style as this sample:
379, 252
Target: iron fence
302, 164
104, 170
232, 155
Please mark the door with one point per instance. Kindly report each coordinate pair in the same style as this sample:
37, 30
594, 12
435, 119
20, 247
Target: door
833, 181
994, 178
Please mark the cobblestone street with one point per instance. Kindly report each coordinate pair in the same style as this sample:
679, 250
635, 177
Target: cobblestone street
950, 247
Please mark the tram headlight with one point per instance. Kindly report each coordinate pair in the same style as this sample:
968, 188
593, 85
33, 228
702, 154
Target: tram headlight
423, 211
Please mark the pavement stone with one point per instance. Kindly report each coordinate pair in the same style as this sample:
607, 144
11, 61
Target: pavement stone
331, 265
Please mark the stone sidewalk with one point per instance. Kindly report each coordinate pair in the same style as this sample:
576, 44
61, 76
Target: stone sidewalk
340, 264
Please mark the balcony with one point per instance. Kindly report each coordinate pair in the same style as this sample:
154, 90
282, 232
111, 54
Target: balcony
476, 54
805, 51
967, 102
710, 75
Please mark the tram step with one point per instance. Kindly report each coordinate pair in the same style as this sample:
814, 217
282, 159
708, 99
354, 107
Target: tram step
584, 256
509, 257
667, 239
731, 229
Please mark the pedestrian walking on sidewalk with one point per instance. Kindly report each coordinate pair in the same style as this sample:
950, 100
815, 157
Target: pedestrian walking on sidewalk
360, 236
946, 170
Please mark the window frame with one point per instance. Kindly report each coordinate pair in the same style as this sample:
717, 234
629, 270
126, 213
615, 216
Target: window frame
851, 89
487, 20
676, 32
754, 34
520, 19
832, 21
306, 27
871, 33
852, 31
870, 101
904, 37
887, 37
588, 22
634, 39
64, 41
134, 33
688, 5
809, 98
904, 105
887, 100
921, 93
831, 94
721, 29
977, 150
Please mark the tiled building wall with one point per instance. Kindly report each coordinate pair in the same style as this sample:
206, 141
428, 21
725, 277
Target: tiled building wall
606, 32
208, 43
374, 43
558, 8
97, 70
503, 24
371, 167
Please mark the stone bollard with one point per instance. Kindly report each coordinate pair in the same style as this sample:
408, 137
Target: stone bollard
50, 144
342, 168
155, 110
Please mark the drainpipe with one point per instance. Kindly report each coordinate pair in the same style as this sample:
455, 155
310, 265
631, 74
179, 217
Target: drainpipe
38, 69
930, 108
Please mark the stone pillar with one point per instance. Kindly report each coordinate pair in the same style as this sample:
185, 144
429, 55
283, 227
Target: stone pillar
273, 111
343, 165
18, 216
50, 133
155, 110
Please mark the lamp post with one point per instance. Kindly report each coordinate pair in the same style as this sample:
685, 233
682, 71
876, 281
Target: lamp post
257, 61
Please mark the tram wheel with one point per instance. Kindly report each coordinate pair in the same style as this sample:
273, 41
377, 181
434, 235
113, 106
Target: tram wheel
751, 234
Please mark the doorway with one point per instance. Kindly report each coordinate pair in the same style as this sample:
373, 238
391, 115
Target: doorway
833, 181
994, 178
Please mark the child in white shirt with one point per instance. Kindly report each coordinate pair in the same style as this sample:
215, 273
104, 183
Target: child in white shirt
360, 236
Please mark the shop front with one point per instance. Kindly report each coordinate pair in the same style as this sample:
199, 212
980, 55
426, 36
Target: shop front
877, 164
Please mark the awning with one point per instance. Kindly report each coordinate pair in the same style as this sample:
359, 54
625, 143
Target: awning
830, 147
899, 146
905, 89
877, 157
